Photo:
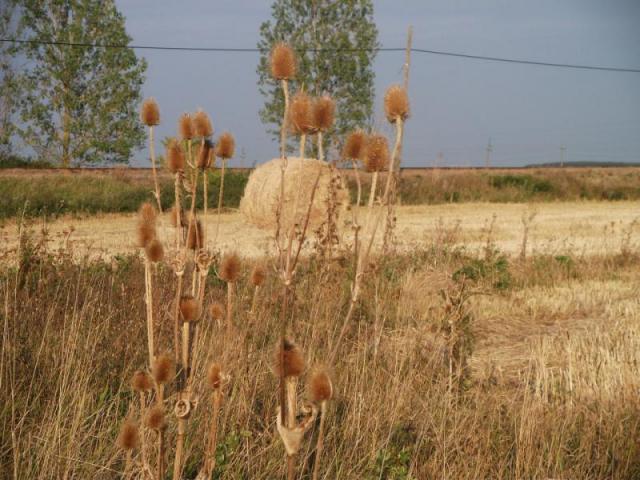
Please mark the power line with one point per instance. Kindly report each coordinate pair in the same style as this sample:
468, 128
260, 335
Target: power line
381, 49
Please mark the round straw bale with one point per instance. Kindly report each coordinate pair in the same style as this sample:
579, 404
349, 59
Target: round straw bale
262, 193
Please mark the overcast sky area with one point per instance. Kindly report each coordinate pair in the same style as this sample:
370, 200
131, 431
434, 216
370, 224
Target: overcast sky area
457, 104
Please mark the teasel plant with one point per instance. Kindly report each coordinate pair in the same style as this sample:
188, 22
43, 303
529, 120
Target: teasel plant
162, 371
205, 161
283, 68
290, 364
320, 393
257, 278
397, 111
225, 149
175, 164
353, 150
150, 116
128, 440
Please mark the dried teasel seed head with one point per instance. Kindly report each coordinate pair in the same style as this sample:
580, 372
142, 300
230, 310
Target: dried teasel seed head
195, 239
141, 381
217, 311
202, 126
376, 156
230, 268
355, 145
162, 369
205, 155
155, 418
226, 146
283, 62
175, 156
190, 309
396, 103
320, 386
258, 274
185, 126
150, 113
129, 436
301, 114
323, 113
147, 213
146, 233
293, 360
154, 250
214, 375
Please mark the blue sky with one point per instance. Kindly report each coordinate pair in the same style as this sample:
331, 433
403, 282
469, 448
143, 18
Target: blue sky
457, 104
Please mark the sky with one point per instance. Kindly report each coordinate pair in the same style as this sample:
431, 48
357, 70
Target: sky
457, 104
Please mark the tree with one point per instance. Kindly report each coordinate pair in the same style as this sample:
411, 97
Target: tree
8, 86
336, 42
80, 103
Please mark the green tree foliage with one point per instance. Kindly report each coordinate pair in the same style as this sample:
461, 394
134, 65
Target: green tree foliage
347, 35
8, 86
80, 103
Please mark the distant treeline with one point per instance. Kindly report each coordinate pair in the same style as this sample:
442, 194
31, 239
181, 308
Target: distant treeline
51, 193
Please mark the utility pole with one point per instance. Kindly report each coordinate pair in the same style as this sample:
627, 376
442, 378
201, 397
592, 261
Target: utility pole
487, 158
407, 56
562, 152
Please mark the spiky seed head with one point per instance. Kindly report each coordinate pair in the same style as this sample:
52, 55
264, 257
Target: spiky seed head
258, 274
320, 386
230, 268
155, 418
226, 146
204, 155
217, 311
202, 126
129, 436
293, 359
162, 369
301, 114
185, 126
147, 213
355, 145
214, 375
175, 156
195, 239
283, 62
324, 109
150, 113
377, 153
141, 381
190, 309
396, 103
154, 250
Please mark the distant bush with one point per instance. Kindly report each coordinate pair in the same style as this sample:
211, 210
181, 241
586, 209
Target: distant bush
14, 161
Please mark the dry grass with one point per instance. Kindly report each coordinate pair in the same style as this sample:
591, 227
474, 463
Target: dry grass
551, 393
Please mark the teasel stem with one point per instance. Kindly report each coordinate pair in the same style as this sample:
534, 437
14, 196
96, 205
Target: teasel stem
176, 318
177, 465
149, 305
205, 190
143, 434
231, 287
194, 191
178, 209
320, 147
220, 197
320, 443
161, 437
152, 154
210, 461
303, 144
291, 384
254, 301
283, 166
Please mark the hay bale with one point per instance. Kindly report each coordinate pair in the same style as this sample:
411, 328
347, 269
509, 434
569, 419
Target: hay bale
260, 201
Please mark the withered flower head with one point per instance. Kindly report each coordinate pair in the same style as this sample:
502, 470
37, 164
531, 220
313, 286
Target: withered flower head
129, 436
175, 156
190, 309
320, 386
155, 418
324, 109
154, 250
396, 103
258, 274
301, 114
185, 126
355, 145
217, 311
202, 126
283, 62
141, 381
226, 146
214, 375
293, 360
195, 238
162, 369
377, 153
230, 268
150, 113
